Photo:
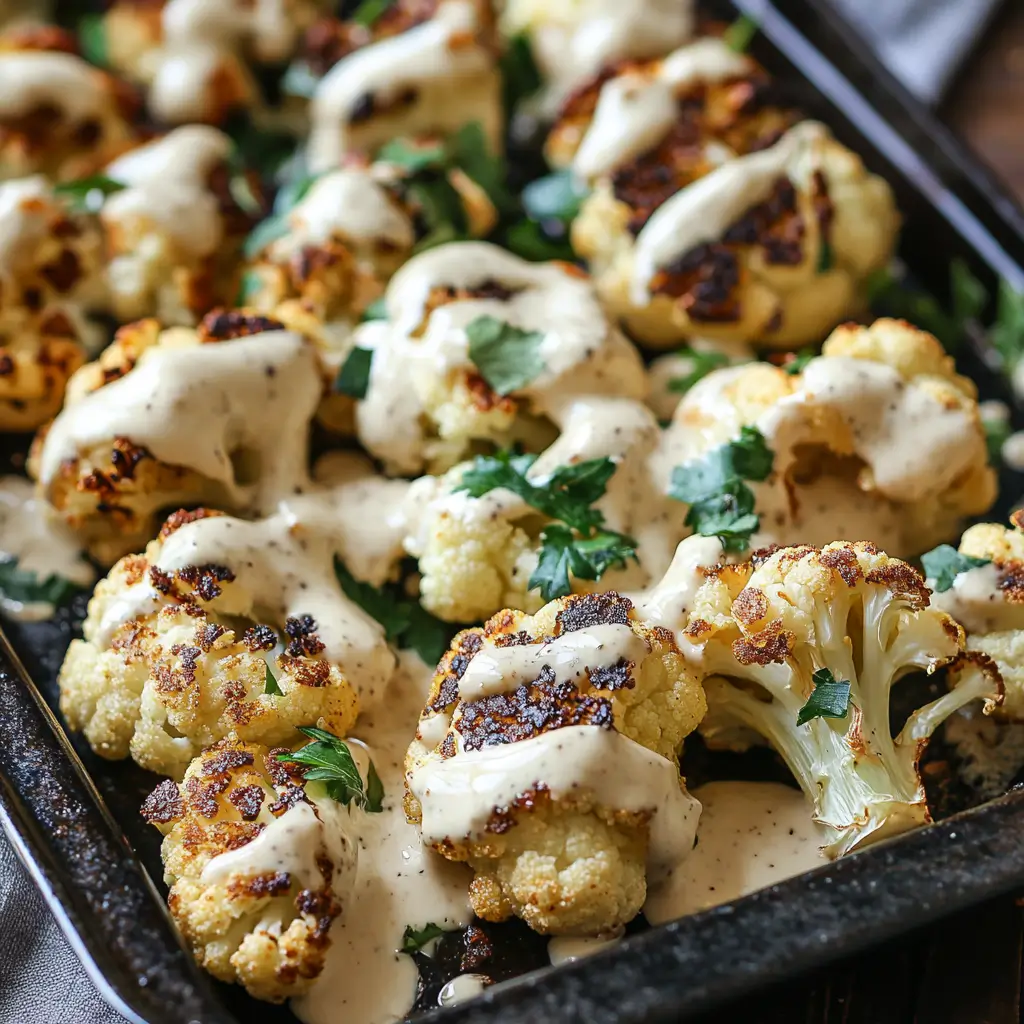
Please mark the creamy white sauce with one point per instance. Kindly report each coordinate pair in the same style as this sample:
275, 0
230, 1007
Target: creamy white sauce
502, 669
462, 988
567, 949
33, 534
439, 59
751, 835
978, 603
398, 882
703, 210
990, 752
459, 794
637, 108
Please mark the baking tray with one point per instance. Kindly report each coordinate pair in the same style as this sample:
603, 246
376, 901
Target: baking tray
74, 821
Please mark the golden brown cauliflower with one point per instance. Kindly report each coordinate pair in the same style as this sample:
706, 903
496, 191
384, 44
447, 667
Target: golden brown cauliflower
982, 586
457, 314
258, 867
804, 645
217, 415
546, 759
772, 247
878, 439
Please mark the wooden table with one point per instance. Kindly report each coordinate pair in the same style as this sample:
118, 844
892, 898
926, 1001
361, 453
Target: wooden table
966, 970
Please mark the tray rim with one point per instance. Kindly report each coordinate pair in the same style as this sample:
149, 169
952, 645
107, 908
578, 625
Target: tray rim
36, 813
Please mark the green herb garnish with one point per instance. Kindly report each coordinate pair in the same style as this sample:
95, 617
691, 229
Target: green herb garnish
520, 75
299, 80
830, 698
826, 257
702, 364
1007, 333
997, 430
721, 503
414, 939
799, 361
86, 195
374, 790
529, 240
263, 234
556, 196
92, 38
739, 35
328, 759
577, 542
507, 357
369, 11
26, 587
354, 376
271, 687
944, 563
413, 157
376, 310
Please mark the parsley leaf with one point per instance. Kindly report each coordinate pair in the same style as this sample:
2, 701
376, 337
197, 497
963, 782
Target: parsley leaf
376, 310
944, 563
519, 73
721, 504
969, 295
263, 234
826, 257
328, 759
374, 790
508, 358
469, 150
86, 195
271, 686
427, 636
299, 80
702, 364
26, 587
578, 544
92, 38
369, 11
414, 939
739, 35
1007, 333
531, 241
997, 430
891, 297
354, 376
798, 360
439, 210
829, 699
556, 196
249, 286
412, 156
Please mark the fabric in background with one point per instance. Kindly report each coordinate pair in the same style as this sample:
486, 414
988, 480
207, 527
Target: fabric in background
41, 982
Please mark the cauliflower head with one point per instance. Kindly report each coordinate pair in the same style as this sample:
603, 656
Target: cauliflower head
878, 439
257, 866
983, 590
772, 248
174, 660
804, 645
536, 703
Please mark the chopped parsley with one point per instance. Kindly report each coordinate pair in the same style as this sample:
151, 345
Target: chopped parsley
414, 939
271, 687
532, 241
721, 503
405, 622
354, 376
26, 587
969, 295
826, 257
376, 310
507, 357
944, 563
577, 542
86, 195
328, 759
1007, 333
829, 699
249, 286
556, 196
739, 35
369, 11
997, 430
702, 363
413, 156
519, 73
798, 360
92, 38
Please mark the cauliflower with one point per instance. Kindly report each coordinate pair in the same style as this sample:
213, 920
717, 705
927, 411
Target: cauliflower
878, 439
49, 267
258, 867
177, 653
772, 248
478, 552
174, 233
482, 348
804, 645
546, 759
195, 59
217, 415
982, 587
421, 68
60, 116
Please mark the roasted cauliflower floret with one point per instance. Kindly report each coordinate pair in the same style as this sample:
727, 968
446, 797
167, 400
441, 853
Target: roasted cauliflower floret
258, 867
804, 645
59, 116
878, 439
982, 587
536, 705
421, 69
481, 348
174, 233
196, 61
217, 415
772, 247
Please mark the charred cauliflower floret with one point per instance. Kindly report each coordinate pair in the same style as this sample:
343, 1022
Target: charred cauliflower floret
982, 586
222, 627
772, 247
878, 439
804, 645
194, 59
49, 268
481, 348
546, 759
258, 867
174, 232
59, 116
216, 416
423, 67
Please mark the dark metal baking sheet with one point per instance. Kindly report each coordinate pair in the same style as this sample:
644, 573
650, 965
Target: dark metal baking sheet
74, 820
